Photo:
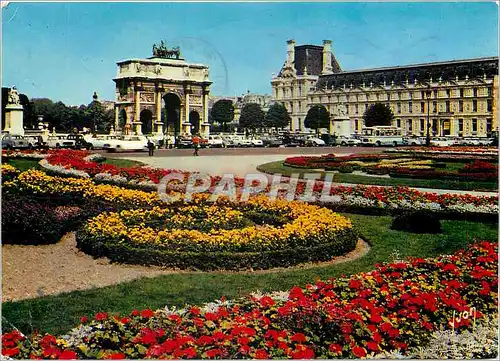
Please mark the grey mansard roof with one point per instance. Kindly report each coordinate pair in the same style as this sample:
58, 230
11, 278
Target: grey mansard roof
446, 70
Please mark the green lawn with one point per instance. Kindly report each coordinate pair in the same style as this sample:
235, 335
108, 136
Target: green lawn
279, 167
122, 163
58, 314
24, 164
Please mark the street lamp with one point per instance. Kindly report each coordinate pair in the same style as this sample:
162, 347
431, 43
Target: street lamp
428, 94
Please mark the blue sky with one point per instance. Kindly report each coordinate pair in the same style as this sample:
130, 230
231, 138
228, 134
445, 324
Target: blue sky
66, 51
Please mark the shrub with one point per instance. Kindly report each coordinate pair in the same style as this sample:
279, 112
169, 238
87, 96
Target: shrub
26, 221
345, 168
417, 222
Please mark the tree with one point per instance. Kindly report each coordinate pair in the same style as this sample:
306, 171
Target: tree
378, 114
222, 112
100, 119
277, 117
317, 117
252, 116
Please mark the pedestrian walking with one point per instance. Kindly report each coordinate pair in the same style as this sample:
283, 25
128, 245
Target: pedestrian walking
151, 147
196, 143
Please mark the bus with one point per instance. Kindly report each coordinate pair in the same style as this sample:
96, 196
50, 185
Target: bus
381, 135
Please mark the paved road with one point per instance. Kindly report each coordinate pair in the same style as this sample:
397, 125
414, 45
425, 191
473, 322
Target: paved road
248, 151
237, 161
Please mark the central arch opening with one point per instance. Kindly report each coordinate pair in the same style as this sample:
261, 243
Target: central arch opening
171, 113
147, 121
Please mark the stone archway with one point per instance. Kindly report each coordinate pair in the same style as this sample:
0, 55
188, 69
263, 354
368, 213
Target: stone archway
194, 120
122, 119
172, 111
146, 119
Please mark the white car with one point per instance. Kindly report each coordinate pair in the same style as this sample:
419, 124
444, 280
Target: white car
129, 144
442, 142
344, 141
239, 141
215, 141
99, 141
414, 141
60, 141
227, 141
475, 141
313, 141
256, 142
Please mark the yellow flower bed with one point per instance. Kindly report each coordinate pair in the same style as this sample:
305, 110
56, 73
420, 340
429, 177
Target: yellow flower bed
39, 183
175, 228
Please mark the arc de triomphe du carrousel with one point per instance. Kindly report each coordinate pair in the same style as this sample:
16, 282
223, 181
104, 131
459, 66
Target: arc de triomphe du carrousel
162, 91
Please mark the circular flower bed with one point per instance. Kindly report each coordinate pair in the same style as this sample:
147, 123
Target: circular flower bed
257, 234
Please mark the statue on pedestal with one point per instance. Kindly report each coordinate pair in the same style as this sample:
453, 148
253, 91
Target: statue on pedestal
341, 111
13, 96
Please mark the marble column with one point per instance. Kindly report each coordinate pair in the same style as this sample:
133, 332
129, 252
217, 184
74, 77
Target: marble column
158, 105
206, 124
187, 128
137, 105
117, 116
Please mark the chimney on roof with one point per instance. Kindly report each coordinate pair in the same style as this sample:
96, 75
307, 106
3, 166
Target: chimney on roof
290, 52
327, 57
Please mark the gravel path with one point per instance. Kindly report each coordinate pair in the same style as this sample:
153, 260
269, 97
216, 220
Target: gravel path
36, 271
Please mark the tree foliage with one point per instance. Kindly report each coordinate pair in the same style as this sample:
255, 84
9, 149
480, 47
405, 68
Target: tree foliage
252, 116
222, 112
378, 114
277, 117
317, 117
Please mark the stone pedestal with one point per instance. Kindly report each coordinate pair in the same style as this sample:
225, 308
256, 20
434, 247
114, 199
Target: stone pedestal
14, 119
186, 128
137, 127
205, 129
341, 126
158, 128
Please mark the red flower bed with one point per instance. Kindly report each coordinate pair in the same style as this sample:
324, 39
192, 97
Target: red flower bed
480, 167
395, 307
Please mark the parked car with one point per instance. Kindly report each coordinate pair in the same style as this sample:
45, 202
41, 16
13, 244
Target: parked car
129, 143
270, 141
11, 141
442, 142
241, 141
313, 141
344, 141
215, 141
60, 141
184, 142
80, 141
256, 142
35, 141
414, 140
475, 141
292, 141
99, 141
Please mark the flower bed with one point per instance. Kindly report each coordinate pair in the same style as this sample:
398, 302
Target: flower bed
257, 234
399, 165
396, 307
352, 198
447, 150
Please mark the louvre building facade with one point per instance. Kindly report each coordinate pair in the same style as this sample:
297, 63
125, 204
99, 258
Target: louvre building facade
460, 95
